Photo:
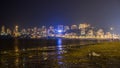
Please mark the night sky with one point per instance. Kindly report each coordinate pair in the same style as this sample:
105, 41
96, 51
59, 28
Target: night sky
31, 13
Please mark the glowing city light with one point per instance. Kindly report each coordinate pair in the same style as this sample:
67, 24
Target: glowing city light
83, 31
60, 31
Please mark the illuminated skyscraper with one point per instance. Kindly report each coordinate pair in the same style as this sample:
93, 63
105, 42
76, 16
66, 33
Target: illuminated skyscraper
3, 29
51, 30
9, 31
35, 29
16, 31
23, 31
60, 29
43, 27
90, 33
44, 31
66, 28
109, 35
100, 33
16, 28
83, 28
74, 27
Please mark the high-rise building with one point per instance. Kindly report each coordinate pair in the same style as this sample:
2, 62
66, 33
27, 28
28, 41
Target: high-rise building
83, 32
35, 29
83, 26
51, 30
9, 31
74, 27
16, 28
60, 29
43, 27
66, 28
100, 33
90, 33
16, 31
23, 31
3, 29
109, 35
44, 31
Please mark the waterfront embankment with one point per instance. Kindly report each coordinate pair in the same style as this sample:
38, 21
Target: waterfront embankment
108, 56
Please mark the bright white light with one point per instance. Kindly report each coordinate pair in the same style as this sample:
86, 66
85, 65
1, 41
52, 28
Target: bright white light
111, 28
59, 31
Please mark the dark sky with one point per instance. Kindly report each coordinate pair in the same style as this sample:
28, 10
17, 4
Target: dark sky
30, 13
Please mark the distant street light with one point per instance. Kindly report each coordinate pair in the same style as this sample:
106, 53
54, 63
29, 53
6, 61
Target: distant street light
112, 32
111, 28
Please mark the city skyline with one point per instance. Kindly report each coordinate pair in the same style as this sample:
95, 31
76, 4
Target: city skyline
59, 33
101, 14
81, 31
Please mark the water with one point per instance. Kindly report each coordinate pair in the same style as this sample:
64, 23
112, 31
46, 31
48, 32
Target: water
31, 53
36, 53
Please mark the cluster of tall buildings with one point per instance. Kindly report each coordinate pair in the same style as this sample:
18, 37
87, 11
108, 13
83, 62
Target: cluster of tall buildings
74, 31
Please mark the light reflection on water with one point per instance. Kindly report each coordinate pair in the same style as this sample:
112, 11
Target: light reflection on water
34, 56
59, 51
16, 46
44, 57
59, 46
